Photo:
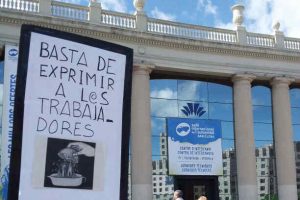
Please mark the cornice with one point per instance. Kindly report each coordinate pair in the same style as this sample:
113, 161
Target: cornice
106, 32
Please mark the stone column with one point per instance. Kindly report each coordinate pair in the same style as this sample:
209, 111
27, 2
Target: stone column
244, 137
141, 149
284, 146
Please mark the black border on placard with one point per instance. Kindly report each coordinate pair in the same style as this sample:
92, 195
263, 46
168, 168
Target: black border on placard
16, 160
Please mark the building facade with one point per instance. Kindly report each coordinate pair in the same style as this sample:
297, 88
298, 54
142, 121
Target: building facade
249, 81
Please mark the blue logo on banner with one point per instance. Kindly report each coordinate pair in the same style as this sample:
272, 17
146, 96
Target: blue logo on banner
193, 110
183, 129
194, 131
13, 52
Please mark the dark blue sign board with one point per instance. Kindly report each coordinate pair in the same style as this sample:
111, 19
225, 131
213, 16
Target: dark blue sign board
194, 146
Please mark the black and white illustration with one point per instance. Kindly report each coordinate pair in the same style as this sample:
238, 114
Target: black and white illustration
69, 164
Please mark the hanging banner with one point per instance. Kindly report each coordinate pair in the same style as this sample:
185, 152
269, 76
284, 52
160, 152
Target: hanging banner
72, 118
194, 147
9, 87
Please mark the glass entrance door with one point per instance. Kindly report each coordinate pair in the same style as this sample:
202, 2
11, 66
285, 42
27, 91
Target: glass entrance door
193, 187
199, 190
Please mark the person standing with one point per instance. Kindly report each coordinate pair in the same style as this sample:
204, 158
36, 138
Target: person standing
178, 195
202, 198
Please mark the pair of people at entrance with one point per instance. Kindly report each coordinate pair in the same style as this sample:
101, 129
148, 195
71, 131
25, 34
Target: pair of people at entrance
178, 196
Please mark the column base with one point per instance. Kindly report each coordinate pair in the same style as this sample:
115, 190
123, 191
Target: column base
141, 191
248, 192
287, 192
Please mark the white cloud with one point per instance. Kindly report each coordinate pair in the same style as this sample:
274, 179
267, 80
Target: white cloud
166, 93
207, 6
164, 108
257, 101
76, 1
220, 24
260, 15
116, 5
156, 13
188, 89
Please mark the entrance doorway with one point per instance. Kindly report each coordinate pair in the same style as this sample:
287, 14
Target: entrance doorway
195, 186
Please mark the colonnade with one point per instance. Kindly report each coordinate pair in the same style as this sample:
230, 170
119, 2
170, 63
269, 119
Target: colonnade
141, 166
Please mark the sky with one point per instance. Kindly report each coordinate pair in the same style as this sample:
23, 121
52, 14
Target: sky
259, 14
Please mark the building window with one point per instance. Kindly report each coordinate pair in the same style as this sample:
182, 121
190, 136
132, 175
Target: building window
160, 164
216, 100
264, 152
263, 135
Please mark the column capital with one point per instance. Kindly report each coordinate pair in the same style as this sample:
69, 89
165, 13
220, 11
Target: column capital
143, 68
243, 77
281, 80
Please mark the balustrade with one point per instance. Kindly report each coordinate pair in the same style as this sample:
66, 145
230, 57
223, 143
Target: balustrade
118, 19
154, 26
254, 39
292, 44
21, 5
71, 11
193, 32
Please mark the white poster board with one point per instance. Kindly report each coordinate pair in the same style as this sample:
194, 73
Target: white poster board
9, 87
73, 117
194, 147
